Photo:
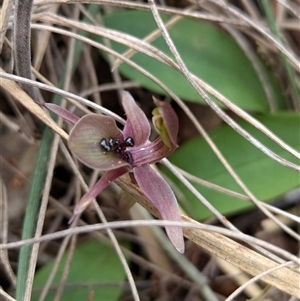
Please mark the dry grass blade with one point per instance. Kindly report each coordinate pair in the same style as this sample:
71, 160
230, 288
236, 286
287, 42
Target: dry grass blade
6, 296
161, 8
225, 248
17, 93
248, 261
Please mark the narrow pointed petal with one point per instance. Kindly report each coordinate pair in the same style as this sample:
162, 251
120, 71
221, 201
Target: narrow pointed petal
64, 113
166, 122
162, 197
85, 137
137, 124
103, 182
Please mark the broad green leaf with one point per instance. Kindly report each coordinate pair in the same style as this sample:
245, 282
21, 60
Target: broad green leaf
208, 52
95, 267
266, 178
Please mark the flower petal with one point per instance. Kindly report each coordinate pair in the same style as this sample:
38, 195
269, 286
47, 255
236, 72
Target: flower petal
166, 122
162, 197
137, 124
102, 183
85, 137
62, 112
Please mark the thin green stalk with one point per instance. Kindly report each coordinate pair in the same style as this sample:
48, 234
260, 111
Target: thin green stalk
290, 72
32, 209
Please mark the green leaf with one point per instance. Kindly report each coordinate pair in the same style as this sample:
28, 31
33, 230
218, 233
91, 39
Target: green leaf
95, 267
266, 178
208, 52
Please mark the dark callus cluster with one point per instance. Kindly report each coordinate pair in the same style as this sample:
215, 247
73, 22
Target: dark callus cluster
115, 145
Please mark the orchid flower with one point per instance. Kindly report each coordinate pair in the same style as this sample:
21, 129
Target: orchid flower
100, 144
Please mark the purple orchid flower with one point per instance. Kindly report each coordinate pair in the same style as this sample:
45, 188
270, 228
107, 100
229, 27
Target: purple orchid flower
100, 144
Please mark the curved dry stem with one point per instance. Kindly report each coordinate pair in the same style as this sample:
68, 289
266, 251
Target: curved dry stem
242, 42
196, 236
240, 15
215, 150
241, 18
6, 296
221, 218
109, 87
55, 267
151, 37
232, 193
155, 53
291, 7
17, 93
142, 6
225, 117
56, 128
256, 278
13, 89
215, 243
210, 185
195, 122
